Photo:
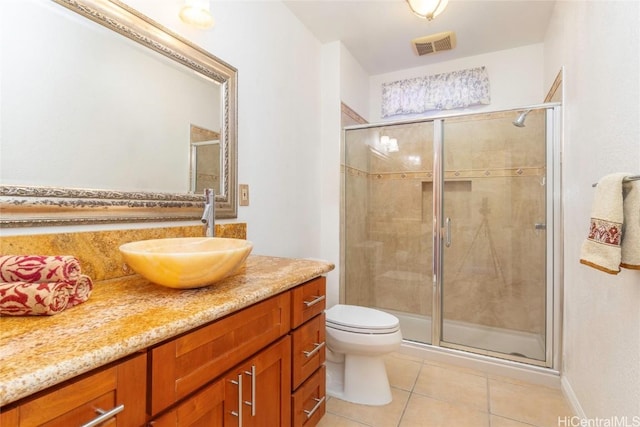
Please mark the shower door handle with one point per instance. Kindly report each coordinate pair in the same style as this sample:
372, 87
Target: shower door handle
447, 240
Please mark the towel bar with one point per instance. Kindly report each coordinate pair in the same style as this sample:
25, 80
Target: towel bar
627, 179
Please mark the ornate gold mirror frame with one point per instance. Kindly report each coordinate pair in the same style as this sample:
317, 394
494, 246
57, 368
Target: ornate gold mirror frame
29, 206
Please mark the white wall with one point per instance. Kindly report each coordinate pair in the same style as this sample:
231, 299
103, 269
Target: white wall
598, 42
354, 83
515, 77
330, 171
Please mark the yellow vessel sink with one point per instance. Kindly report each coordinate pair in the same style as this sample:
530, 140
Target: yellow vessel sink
186, 262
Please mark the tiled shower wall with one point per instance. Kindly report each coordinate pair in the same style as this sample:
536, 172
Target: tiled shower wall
494, 271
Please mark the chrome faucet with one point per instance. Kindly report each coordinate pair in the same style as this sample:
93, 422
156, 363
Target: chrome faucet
209, 215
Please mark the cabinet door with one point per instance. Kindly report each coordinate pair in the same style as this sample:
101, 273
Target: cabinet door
119, 389
258, 393
204, 409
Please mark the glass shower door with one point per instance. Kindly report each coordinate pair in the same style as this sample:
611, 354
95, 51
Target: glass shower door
388, 223
494, 282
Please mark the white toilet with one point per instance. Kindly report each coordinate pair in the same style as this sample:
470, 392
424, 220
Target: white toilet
357, 338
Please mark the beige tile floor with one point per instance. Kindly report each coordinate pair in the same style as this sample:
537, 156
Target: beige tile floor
431, 394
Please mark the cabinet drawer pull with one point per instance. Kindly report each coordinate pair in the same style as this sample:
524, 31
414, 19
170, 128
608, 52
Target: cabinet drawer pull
252, 374
316, 349
239, 413
315, 408
104, 416
315, 300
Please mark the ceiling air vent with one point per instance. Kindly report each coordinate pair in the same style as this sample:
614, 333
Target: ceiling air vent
434, 43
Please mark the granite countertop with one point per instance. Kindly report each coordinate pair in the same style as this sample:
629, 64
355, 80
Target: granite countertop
126, 315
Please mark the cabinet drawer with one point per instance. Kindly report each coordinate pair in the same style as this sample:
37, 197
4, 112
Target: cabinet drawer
308, 300
308, 349
184, 364
308, 402
76, 402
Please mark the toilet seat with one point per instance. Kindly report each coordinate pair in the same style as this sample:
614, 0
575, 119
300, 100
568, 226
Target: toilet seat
361, 320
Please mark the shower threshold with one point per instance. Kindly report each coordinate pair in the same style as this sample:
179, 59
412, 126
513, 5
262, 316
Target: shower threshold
487, 365
522, 345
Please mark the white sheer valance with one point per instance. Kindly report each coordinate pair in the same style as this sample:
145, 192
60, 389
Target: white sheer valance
444, 91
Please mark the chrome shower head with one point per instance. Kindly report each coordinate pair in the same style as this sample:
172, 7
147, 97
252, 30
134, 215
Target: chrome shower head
519, 122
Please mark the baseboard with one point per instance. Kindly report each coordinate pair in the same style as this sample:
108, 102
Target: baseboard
571, 397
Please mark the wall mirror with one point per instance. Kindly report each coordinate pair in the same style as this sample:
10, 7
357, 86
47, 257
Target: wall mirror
109, 117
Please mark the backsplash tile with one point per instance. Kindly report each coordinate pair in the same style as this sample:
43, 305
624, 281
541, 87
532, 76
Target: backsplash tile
98, 251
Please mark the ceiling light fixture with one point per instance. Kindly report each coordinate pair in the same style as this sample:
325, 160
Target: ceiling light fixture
197, 13
427, 9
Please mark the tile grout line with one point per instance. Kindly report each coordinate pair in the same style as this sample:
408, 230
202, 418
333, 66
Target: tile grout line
349, 418
488, 399
411, 393
413, 386
502, 416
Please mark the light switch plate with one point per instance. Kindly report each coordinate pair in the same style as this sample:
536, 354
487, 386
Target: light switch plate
244, 194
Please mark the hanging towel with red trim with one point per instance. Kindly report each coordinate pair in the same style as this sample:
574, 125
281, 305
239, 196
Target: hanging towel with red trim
602, 249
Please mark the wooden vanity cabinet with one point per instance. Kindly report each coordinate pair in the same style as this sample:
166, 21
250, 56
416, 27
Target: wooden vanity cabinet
200, 378
205, 370
184, 364
308, 353
118, 389
252, 394
262, 366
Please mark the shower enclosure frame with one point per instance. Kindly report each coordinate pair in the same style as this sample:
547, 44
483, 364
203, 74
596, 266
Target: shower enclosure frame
553, 245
